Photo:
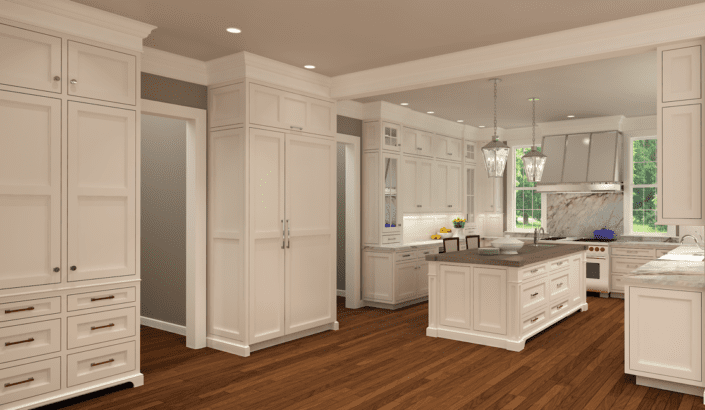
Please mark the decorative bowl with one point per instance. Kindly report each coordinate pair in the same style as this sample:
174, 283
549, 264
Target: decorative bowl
508, 245
445, 235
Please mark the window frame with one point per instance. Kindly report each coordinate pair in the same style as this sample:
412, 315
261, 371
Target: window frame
629, 194
512, 190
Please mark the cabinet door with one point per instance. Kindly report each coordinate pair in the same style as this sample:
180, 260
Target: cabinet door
226, 224
680, 151
30, 59
311, 232
30, 190
377, 276
440, 147
470, 195
470, 148
101, 191
226, 105
405, 276
391, 137
370, 135
576, 277
454, 149
267, 219
485, 191
665, 332
101, 74
370, 197
424, 187
409, 141
456, 290
454, 188
424, 144
440, 187
681, 74
490, 300
422, 279
410, 185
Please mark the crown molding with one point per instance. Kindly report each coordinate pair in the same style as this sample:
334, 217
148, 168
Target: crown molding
76, 19
352, 109
174, 66
611, 39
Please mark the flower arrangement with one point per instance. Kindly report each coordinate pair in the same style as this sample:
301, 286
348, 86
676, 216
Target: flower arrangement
459, 223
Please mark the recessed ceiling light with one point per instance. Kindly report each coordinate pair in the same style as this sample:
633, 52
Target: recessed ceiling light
460, 120
310, 67
234, 30
404, 103
571, 116
429, 112
481, 126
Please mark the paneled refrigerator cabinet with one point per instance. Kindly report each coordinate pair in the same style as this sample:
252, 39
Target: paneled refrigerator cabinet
272, 221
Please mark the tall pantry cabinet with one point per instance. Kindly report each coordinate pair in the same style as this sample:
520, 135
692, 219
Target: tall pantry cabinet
69, 225
272, 216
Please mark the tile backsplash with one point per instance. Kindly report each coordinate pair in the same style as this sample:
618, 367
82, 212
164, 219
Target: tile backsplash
581, 214
420, 227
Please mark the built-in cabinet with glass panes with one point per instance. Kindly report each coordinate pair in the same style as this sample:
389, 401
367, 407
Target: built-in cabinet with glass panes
391, 211
470, 195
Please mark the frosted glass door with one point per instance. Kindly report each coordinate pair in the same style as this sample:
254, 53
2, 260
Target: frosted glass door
391, 211
392, 137
470, 195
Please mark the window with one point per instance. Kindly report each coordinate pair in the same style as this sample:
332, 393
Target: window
641, 196
528, 205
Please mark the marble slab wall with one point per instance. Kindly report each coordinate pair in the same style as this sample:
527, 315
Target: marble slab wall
581, 214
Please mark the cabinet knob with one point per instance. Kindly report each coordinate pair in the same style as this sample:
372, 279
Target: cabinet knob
450, 153
57, 78
419, 148
74, 82
73, 268
56, 269
418, 206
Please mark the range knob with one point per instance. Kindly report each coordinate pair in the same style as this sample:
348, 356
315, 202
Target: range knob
602, 249
591, 248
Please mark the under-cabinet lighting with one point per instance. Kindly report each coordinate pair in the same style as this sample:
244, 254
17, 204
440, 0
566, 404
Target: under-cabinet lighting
234, 30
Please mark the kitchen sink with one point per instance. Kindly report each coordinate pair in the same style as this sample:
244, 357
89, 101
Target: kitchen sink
543, 245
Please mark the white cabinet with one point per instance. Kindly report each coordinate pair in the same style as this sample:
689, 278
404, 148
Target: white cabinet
488, 192
101, 191
101, 74
417, 184
417, 142
226, 105
405, 281
490, 300
447, 188
381, 212
664, 333
447, 148
422, 278
681, 148
470, 152
455, 296
381, 135
391, 278
30, 59
470, 196
30, 190
377, 274
294, 112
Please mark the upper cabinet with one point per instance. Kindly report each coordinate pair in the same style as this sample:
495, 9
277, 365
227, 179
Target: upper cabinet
447, 187
30, 59
470, 152
381, 135
293, 112
447, 148
101, 74
417, 142
681, 148
226, 105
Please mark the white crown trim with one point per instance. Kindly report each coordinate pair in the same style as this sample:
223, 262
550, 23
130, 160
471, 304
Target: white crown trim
174, 66
79, 20
352, 109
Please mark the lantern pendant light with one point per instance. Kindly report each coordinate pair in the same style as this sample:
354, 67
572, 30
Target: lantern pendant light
534, 161
496, 152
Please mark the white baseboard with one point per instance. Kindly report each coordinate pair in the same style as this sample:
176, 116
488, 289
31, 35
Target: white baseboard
340, 293
166, 326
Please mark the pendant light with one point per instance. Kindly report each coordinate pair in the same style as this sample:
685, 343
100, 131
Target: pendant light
534, 160
496, 152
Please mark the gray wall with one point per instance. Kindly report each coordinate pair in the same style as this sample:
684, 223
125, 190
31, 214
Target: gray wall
348, 126
163, 190
171, 91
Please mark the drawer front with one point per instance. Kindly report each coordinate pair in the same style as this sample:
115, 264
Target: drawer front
100, 327
391, 239
617, 284
101, 74
424, 252
102, 298
405, 256
627, 265
558, 308
533, 295
559, 286
100, 363
636, 253
33, 339
30, 308
558, 265
534, 320
533, 271
661, 252
29, 380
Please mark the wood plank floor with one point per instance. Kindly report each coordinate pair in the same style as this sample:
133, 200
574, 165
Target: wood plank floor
383, 360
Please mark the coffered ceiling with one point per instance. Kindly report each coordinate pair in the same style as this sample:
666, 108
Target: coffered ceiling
340, 37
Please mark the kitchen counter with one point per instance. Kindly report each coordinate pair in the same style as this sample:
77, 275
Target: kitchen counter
527, 255
649, 245
392, 247
679, 268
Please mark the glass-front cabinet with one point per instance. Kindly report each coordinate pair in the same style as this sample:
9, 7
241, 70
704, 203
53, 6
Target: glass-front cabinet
392, 217
470, 148
392, 136
470, 195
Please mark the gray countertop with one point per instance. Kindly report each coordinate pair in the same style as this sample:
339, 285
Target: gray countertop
677, 268
527, 255
649, 245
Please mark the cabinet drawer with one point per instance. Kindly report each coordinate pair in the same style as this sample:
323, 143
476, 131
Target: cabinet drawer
100, 327
405, 256
29, 380
33, 339
559, 285
617, 283
391, 239
635, 253
533, 320
532, 271
101, 74
30, 308
424, 252
102, 298
661, 252
533, 295
627, 265
30, 59
100, 363
558, 308
559, 264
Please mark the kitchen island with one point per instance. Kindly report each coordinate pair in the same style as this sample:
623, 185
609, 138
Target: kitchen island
503, 300
663, 319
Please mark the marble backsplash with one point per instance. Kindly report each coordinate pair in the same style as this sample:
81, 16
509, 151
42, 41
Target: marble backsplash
581, 214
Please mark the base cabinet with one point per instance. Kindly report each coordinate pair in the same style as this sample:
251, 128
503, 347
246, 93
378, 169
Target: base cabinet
391, 278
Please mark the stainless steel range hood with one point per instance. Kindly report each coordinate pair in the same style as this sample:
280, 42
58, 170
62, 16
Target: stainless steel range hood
582, 163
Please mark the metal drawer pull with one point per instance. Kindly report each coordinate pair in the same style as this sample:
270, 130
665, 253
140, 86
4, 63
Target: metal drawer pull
418, 206
19, 310
102, 327
450, 153
450, 206
534, 319
534, 294
31, 339
560, 263
405, 255
74, 82
632, 251
534, 270
283, 234
420, 149
288, 234
297, 128
559, 307
105, 362
31, 379
104, 298
559, 285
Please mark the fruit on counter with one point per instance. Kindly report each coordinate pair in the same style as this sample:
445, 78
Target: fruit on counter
435, 236
445, 230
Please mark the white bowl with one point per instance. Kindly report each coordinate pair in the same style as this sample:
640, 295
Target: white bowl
445, 235
507, 245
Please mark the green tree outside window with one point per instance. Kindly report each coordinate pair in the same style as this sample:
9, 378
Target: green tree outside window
528, 201
644, 195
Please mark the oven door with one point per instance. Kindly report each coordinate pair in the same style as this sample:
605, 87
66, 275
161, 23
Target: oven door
597, 275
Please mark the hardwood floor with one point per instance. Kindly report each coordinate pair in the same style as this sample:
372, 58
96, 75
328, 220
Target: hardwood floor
383, 360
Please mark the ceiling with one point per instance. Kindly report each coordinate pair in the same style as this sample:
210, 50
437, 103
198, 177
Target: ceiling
617, 86
341, 36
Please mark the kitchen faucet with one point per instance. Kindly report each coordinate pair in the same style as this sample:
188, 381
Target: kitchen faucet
694, 238
537, 234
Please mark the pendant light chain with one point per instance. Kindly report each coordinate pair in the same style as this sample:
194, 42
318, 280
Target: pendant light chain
495, 107
533, 124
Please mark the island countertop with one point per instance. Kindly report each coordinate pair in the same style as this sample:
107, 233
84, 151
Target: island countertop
680, 267
527, 255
